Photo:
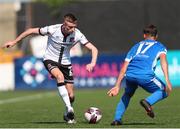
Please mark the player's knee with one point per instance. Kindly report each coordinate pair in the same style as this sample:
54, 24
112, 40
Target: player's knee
72, 99
60, 78
162, 94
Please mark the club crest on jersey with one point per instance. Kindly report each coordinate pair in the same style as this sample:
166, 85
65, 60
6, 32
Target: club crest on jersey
71, 39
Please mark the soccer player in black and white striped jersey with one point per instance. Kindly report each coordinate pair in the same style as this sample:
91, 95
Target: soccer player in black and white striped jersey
61, 38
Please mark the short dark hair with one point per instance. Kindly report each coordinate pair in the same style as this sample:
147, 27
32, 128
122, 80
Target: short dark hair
150, 30
70, 18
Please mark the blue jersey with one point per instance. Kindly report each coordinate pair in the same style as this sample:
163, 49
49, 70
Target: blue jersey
143, 58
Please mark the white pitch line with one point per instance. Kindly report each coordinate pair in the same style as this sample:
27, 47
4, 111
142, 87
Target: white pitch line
26, 98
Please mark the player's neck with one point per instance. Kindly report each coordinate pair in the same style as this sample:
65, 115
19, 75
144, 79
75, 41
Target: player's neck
150, 38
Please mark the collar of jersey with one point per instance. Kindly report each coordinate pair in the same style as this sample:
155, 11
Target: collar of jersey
150, 40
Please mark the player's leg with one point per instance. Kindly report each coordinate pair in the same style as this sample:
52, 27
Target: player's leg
69, 116
61, 87
54, 70
70, 89
68, 76
130, 89
157, 88
69, 81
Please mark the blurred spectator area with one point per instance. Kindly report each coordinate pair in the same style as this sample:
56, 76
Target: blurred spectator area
7, 22
113, 26
8, 57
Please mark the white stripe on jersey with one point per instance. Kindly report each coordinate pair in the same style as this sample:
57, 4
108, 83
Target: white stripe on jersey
158, 83
128, 60
156, 58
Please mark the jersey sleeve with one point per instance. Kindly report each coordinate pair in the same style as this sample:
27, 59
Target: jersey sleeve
81, 38
163, 49
47, 30
131, 53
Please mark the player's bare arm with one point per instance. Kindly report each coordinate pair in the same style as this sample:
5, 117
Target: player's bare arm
94, 52
164, 66
115, 90
29, 31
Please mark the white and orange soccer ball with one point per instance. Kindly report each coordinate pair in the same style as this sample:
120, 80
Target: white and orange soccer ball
93, 115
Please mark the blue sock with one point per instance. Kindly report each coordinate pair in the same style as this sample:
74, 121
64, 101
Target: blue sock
156, 96
122, 106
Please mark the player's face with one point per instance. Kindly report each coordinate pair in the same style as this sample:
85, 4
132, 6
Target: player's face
69, 27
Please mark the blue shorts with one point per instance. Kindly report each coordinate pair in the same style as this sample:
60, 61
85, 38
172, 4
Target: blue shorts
150, 85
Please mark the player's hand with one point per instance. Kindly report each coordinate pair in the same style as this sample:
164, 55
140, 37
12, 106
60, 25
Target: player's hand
168, 88
89, 67
114, 91
9, 44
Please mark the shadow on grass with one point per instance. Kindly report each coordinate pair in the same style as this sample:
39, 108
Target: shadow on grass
143, 123
44, 122
48, 122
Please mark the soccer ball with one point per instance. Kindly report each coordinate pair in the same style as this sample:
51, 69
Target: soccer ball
93, 115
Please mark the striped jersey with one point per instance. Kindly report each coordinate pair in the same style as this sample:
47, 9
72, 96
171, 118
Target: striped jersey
143, 58
58, 45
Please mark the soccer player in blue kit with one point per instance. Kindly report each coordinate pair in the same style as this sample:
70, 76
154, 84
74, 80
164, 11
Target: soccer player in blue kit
138, 70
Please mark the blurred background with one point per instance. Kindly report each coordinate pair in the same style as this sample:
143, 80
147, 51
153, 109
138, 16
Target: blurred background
113, 26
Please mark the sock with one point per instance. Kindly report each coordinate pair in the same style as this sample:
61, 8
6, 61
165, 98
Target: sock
156, 96
64, 94
71, 99
122, 106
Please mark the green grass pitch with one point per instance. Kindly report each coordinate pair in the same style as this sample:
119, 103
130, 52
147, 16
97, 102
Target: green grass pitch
44, 109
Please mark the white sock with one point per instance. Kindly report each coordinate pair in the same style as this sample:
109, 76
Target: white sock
64, 94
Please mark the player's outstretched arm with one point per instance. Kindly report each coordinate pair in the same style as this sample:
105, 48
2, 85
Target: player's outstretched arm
30, 31
164, 66
115, 90
94, 52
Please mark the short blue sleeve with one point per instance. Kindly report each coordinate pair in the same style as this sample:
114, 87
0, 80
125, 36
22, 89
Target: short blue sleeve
132, 52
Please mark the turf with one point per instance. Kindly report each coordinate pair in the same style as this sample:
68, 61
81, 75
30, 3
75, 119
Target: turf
44, 109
